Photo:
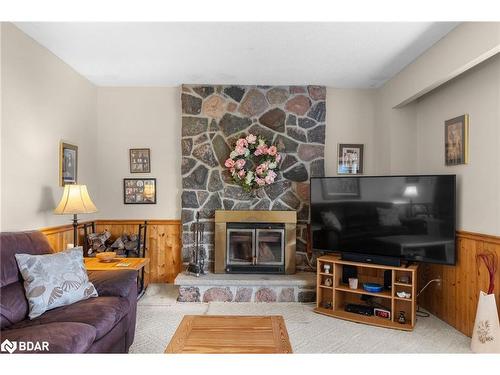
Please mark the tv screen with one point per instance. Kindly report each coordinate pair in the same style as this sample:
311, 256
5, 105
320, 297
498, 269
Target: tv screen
408, 217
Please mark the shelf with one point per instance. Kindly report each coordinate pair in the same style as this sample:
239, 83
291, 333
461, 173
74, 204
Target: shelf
323, 310
372, 320
403, 299
341, 294
337, 260
383, 294
403, 284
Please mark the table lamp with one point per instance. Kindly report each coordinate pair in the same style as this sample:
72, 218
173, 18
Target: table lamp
75, 200
411, 191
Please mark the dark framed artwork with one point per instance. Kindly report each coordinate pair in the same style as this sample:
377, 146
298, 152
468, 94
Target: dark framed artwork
68, 164
140, 160
350, 159
139, 190
456, 140
340, 188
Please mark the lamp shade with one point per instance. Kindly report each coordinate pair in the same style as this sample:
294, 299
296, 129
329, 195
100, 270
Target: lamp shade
75, 200
410, 191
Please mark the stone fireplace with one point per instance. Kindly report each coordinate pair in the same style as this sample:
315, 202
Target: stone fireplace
213, 117
268, 227
255, 242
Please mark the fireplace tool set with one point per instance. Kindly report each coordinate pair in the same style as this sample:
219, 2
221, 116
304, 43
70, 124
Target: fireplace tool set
197, 264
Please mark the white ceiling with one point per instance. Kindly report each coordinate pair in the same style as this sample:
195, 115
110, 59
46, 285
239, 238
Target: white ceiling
344, 55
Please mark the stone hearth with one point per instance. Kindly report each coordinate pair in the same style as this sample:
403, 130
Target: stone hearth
299, 287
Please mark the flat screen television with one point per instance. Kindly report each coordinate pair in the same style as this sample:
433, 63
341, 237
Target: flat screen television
385, 217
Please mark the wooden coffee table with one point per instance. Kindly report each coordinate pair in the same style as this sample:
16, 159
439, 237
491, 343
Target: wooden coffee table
230, 334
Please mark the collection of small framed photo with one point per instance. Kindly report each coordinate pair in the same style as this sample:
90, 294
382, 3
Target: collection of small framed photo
139, 190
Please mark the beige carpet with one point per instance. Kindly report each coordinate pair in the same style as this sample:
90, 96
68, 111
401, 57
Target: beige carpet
158, 315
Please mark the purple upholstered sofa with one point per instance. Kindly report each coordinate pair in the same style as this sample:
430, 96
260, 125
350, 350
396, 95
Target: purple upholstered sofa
104, 324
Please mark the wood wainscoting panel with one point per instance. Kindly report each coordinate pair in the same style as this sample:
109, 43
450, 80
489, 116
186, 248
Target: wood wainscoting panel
455, 300
163, 244
59, 237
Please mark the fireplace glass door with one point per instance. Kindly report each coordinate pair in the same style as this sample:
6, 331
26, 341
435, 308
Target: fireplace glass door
269, 246
255, 248
240, 246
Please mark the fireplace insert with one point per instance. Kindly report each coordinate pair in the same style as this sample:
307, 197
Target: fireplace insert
255, 248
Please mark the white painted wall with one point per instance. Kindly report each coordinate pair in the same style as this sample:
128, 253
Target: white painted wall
44, 101
350, 118
467, 45
477, 93
410, 134
139, 118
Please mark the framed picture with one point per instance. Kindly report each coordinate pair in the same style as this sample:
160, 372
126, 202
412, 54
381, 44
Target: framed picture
350, 159
340, 188
456, 140
140, 160
68, 164
139, 190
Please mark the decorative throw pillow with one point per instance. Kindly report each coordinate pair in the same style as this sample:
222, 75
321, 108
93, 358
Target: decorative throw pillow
388, 217
54, 280
331, 221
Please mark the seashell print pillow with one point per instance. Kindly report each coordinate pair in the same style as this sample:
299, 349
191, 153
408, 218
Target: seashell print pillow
54, 280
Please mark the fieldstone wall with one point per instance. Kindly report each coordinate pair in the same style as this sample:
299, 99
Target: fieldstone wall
213, 118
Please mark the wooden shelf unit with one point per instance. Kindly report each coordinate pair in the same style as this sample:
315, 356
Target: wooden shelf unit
331, 300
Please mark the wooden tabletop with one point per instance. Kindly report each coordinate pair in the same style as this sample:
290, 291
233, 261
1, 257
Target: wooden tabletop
94, 264
212, 334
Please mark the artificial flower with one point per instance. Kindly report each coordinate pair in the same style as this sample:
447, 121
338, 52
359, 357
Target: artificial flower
240, 150
240, 163
260, 181
242, 142
229, 163
251, 139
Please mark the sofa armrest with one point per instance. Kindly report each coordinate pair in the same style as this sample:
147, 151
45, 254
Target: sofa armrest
114, 283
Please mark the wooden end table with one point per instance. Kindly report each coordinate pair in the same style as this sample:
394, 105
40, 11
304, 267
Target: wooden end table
117, 264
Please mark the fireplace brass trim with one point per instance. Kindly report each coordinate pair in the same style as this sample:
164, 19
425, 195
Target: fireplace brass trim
256, 216
289, 218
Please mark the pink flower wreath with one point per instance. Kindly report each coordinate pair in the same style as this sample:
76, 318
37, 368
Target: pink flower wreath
265, 160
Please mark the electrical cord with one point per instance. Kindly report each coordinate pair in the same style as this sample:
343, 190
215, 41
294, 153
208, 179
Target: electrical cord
422, 314
419, 312
426, 285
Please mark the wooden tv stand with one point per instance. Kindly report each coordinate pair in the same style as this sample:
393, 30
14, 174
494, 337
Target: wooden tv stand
331, 300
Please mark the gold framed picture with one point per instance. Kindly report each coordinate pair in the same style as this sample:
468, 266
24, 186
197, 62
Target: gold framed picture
68, 164
456, 140
350, 159
140, 160
139, 190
